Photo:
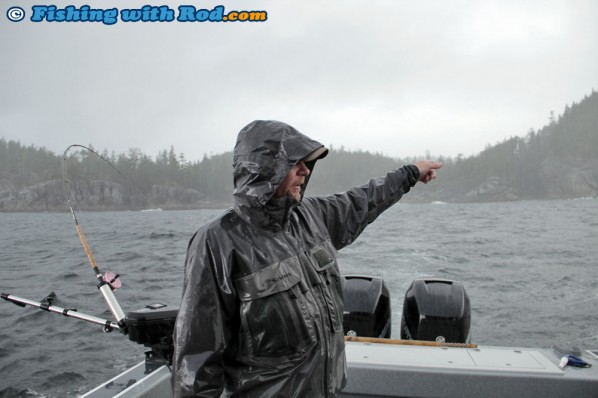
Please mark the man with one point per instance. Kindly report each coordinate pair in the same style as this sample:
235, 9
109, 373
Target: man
261, 313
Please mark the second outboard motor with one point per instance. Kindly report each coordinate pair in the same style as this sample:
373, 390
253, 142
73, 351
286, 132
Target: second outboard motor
436, 310
366, 306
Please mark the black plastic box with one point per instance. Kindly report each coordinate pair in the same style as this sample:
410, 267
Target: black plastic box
152, 325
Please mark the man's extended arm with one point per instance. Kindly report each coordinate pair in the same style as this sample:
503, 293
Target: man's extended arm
347, 214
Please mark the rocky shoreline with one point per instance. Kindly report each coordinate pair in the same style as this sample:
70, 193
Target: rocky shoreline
101, 195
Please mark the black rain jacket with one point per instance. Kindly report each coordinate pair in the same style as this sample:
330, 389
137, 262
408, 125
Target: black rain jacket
262, 307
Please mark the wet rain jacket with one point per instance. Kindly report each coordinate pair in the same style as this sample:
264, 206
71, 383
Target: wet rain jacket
262, 308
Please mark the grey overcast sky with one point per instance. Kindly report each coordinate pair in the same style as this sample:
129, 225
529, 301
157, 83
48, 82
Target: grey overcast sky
395, 77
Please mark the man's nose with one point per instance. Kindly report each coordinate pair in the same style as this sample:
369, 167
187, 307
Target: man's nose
303, 169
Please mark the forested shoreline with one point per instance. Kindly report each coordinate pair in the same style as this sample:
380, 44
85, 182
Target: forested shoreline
557, 161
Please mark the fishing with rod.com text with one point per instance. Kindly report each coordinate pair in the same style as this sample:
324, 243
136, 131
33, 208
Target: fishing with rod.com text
147, 13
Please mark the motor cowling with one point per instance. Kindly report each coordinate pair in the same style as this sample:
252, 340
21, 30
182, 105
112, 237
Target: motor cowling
366, 306
436, 310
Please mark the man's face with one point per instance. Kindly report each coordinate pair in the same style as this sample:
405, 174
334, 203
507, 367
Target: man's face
291, 185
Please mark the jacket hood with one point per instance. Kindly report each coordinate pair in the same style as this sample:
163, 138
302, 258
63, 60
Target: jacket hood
264, 154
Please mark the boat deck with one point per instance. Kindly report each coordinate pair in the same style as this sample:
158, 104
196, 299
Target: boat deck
384, 370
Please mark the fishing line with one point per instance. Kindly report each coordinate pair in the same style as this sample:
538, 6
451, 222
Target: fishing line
107, 282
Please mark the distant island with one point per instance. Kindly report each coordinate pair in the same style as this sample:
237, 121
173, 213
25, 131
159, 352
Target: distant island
558, 161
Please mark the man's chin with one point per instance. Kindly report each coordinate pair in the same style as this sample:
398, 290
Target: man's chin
295, 197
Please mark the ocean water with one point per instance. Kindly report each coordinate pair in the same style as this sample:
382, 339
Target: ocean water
530, 269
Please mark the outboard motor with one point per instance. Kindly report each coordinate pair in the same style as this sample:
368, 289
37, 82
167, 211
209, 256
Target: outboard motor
366, 306
153, 327
436, 310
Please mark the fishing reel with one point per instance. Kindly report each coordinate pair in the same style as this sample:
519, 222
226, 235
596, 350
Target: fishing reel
108, 282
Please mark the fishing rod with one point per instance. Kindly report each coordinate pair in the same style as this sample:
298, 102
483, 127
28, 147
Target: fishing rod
109, 281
